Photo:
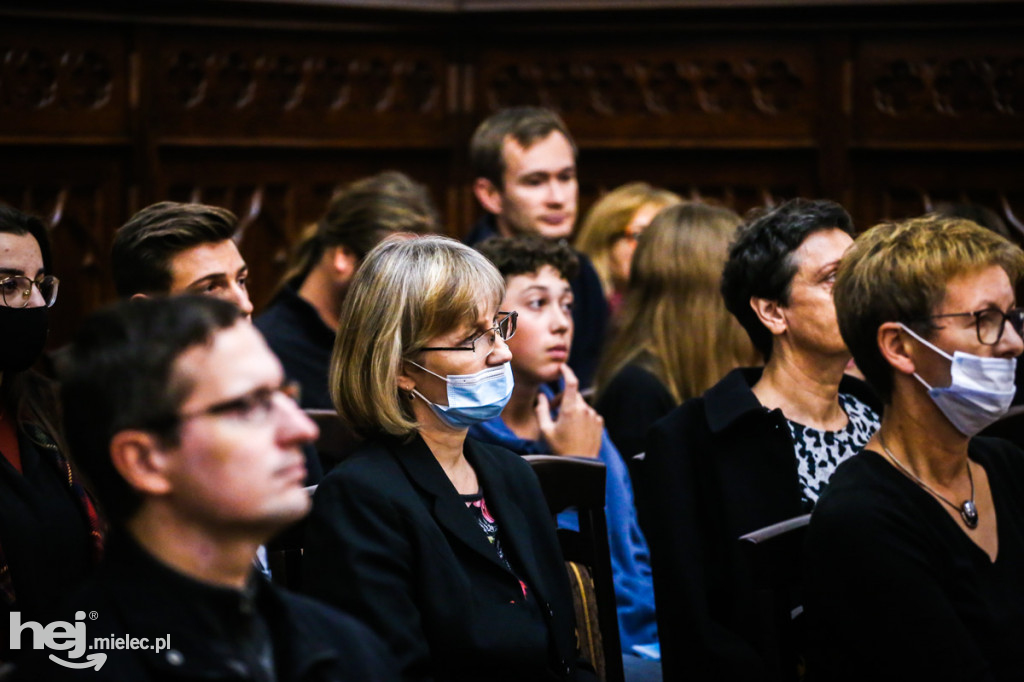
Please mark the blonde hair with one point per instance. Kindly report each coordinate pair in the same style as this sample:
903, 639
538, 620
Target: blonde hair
674, 322
608, 218
899, 272
406, 292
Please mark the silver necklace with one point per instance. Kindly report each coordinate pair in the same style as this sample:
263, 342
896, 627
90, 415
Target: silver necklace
968, 512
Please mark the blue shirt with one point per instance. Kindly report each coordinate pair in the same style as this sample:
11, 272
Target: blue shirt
631, 564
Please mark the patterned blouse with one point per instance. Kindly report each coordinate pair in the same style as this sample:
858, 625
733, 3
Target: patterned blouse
818, 453
478, 506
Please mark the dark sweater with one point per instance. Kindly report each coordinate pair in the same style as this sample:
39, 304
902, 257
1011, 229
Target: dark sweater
631, 402
897, 591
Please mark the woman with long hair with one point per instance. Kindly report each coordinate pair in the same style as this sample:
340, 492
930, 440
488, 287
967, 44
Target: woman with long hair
610, 231
675, 337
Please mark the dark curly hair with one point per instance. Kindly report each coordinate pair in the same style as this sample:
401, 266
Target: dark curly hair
526, 254
761, 261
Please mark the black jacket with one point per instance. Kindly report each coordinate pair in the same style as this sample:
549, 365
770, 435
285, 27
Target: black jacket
391, 542
207, 630
717, 467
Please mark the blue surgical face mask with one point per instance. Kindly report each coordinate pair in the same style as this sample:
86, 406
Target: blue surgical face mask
980, 390
472, 398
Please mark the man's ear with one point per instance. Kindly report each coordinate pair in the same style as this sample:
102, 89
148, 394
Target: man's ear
141, 460
488, 195
344, 261
138, 296
770, 313
895, 346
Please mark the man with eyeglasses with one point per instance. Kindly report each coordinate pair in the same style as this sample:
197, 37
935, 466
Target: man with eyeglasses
177, 412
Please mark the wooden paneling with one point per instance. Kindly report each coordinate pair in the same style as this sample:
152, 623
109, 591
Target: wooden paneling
267, 107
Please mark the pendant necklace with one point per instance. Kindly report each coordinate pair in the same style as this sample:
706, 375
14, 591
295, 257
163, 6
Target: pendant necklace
968, 512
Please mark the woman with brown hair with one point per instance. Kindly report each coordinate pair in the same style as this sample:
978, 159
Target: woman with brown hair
675, 338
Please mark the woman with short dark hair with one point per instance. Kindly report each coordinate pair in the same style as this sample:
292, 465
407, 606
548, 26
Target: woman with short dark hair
758, 447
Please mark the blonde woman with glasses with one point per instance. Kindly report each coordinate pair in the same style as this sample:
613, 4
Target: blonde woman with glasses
442, 544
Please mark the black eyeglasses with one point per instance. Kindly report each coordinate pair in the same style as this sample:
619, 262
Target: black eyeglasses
16, 290
504, 327
254, 407
990, 322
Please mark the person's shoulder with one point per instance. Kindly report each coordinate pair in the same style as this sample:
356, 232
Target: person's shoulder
1000, 456
497, 456
863, 487
312, 619
371, 466
313, 625
634, 377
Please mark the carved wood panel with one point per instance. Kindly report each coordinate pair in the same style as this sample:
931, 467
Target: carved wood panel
81, 202
219, 86
941, 91
683, 93
60, 82
897, 185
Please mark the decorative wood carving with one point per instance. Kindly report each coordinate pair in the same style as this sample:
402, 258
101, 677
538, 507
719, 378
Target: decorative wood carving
658, 92
62, 84
251, 89
933, 91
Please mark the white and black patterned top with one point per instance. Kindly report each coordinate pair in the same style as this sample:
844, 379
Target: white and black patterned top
818, 453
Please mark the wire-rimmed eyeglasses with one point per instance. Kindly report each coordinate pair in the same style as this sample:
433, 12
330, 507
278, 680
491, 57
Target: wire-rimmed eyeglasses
505, 327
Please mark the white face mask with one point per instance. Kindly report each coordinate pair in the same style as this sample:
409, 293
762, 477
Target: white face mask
980, 390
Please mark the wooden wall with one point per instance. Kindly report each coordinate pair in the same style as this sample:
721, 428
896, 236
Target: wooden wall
267, 107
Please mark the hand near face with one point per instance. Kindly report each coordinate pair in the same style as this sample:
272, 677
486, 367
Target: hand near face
578, 428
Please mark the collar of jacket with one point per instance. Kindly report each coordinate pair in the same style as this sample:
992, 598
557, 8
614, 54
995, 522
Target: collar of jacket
732, 399
449, 509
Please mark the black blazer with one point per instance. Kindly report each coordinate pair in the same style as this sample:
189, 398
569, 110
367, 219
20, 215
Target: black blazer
717, 467
390, 541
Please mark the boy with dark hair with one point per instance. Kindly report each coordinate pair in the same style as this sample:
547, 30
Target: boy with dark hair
537, 273
175, 248
176, 413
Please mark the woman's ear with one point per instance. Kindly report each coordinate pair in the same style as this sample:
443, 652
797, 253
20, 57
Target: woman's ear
142, 461
405, 381
770, 313
895, 346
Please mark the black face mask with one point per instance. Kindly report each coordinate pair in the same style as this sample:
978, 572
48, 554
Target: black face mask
22, 336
